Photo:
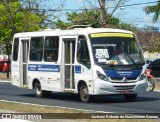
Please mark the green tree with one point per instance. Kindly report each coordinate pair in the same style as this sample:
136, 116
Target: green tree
105, 9
155, 9
62, 25
87, 17
92, 17
14, 18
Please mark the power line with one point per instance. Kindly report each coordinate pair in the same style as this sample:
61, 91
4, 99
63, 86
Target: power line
139, 4
146, 3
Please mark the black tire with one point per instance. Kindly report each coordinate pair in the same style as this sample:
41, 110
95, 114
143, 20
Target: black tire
130, 97
84, 95
38, 91
41, 93
151, 84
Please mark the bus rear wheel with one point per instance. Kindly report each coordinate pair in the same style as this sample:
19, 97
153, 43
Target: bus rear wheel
84, 95
38, 91
41, 93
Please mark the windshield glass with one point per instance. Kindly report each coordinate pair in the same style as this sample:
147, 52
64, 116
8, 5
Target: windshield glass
116, 49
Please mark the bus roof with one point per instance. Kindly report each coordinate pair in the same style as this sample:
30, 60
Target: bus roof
71, 32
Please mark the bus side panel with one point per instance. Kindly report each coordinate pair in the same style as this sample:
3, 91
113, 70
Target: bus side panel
15, 78
15, 63
83, 74
52, 81
49, 80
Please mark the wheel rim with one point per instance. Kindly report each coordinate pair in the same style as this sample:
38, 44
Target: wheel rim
84, 94
150, 85
38, 89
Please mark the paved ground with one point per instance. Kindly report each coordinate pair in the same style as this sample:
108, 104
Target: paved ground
145, 103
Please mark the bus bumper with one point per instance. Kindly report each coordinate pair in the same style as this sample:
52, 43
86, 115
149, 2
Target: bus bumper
105, 88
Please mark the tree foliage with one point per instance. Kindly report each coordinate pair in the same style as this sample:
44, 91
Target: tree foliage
150, 41
14, 18
91, 17
104, 8
155, 9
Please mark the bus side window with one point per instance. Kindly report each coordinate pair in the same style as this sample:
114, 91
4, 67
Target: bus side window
83, 53
15, 49
51, 49
36, 49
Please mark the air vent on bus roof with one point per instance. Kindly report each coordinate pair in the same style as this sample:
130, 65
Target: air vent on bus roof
51, 29
79, 26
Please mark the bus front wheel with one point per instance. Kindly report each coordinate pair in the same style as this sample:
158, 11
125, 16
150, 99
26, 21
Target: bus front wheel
84, 95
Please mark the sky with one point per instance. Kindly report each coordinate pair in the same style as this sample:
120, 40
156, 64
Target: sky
134, 15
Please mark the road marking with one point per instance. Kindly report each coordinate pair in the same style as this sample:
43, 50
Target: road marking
5, 81
157, 90
89, 111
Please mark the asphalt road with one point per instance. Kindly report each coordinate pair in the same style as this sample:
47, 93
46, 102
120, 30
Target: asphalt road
145, 103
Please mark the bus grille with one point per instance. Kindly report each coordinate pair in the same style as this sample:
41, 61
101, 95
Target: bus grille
133, 78
124, 87
120, 80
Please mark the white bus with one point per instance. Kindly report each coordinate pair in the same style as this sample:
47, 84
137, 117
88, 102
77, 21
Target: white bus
84, 61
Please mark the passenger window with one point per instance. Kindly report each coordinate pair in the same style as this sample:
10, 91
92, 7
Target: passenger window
51, 49
83, 52
15, 49
36, 49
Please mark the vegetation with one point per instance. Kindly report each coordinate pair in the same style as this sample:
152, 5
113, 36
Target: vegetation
27, 15
155, 9
91, 17
22, 16
14, 18
150, 41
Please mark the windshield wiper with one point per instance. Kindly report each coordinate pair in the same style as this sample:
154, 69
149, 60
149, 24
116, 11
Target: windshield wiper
126, 54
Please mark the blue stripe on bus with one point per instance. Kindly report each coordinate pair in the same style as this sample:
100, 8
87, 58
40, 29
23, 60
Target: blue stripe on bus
123, 73
77, 69
49, 68
44, 68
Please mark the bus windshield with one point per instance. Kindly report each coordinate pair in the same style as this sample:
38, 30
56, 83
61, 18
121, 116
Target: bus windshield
116, 49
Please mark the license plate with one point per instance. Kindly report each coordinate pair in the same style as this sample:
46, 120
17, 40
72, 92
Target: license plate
124, 92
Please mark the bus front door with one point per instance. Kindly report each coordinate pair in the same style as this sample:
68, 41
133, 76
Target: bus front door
25, 45
68, 53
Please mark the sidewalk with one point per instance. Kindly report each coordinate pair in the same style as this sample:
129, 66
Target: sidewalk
3, 77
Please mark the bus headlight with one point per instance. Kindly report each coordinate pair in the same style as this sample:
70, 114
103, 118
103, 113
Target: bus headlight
143, 76
101, 76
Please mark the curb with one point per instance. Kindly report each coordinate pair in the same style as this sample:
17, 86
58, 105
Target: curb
5, 81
